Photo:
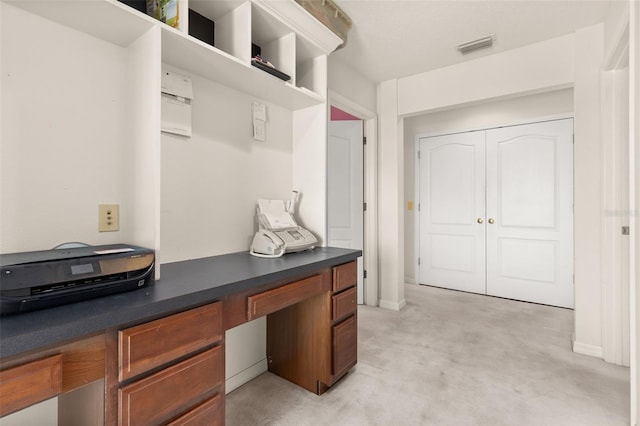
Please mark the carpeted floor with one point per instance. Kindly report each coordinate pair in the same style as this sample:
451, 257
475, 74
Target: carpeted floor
452, 358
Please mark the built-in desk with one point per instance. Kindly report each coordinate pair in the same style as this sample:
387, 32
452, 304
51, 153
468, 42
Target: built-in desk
168, 339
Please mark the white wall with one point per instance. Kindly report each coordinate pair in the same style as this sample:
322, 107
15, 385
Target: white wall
634, 194
390, 212
477, 116
587, 191
59, 159
211, 181
350, 84
542, 66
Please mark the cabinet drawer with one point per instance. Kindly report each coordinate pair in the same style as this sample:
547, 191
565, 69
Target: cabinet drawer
158, 342
345, 345
345, 276
30, 383
209, 413
172, 391
344, 304
273, 300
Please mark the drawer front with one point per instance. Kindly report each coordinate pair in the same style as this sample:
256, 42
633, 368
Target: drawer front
344, 303
158, 342
345, 276
345, 345
173, 391
273, 300
30, 383
209, 413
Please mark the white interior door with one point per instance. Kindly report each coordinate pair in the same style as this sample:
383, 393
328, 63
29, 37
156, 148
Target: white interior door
452, 211
496, 212
530, 212
346, 189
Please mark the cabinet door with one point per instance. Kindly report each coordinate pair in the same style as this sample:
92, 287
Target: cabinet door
209, 413
30, 383
159, 342
345, 276
345, 345
343, 304
172, 391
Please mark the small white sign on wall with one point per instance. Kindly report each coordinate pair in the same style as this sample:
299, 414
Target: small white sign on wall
177, 93
259, 114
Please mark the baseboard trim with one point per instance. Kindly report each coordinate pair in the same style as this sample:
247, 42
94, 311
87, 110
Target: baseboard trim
394, 306
590, 350
246, 375
410, 280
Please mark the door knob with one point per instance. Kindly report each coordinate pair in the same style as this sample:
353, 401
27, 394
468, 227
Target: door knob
491, 220
479, 220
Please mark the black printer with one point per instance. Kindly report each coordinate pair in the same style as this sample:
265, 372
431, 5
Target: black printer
42, 279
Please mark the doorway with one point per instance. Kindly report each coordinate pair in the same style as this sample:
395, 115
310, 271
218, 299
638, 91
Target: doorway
496, 212
345, 186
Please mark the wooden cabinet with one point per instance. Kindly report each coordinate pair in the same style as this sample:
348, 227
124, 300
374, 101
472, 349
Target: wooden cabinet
345, 345
344, 304
155, 343
171, 392
344, 329
345, 276
274, 300
30, 383
209, 413
172, 369
313, 343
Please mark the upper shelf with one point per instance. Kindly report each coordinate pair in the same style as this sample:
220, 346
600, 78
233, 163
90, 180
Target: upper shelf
213, 64
108, 20
119, 24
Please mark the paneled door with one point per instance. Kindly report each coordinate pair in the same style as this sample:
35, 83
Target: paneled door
345, 190
530, 212
452, 211
496, 212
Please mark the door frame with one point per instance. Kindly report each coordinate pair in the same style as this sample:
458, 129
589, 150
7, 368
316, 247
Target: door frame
370, 251
416, 176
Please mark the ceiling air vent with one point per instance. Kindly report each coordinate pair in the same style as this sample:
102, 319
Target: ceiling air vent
480, 43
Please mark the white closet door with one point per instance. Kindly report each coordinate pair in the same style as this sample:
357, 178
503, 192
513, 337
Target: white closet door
452, 207
530, 202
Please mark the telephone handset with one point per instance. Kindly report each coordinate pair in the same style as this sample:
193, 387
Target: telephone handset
278, 231
267, 244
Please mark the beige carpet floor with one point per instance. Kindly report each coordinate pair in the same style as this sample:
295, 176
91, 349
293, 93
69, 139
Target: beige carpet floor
452, 358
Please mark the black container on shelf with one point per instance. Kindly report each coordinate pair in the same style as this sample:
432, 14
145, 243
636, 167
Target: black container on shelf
201, 27
255, 50
139, 5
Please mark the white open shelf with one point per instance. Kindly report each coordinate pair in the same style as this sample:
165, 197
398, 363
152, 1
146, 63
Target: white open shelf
108, 20
119, 24
199, 58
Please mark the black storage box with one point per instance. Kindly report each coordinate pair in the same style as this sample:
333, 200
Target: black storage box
201, 27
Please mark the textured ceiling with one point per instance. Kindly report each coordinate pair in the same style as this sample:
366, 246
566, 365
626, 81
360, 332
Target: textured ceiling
396, 38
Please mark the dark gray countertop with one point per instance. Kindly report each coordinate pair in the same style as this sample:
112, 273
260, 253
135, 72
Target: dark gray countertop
182, 285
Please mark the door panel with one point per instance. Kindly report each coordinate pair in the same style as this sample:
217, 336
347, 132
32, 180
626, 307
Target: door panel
526, 182
345, 189
452, 242
530, 200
